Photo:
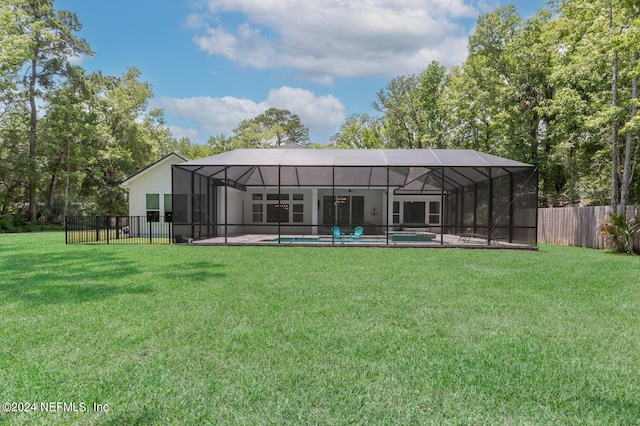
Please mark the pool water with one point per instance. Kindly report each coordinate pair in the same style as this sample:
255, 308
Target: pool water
297, 240
326, 240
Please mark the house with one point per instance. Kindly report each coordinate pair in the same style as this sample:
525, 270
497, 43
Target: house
388, 192
149, 196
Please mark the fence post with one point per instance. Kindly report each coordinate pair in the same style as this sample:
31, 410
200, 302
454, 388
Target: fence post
150, 231
97, 228
66, 229
108, 226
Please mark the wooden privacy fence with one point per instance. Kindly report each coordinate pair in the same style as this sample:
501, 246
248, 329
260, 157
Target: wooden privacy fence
577, 226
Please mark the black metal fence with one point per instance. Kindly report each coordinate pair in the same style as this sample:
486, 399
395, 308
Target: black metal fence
117, 230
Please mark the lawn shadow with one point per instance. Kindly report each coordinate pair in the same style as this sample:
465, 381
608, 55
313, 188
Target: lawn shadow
73, 276
140, 416
53, 277
194, 271
615, 408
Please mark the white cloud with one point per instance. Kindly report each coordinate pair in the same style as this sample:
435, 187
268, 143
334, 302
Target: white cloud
76, 59
222, 115
316, 112
195, 21
214, 115
323, 39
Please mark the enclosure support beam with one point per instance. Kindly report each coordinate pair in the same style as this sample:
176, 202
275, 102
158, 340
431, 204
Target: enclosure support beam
442, 209
171, 240
193, 204
491, 222
511, 206
335, 203
460, 218
226, 204
279, 202
388, 201
535, 171
211, 196
475, 207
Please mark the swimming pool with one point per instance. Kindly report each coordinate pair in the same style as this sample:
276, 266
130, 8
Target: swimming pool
298, 240
325, 240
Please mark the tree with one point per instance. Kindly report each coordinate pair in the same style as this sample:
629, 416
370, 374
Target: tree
403, 117
498, 99
213, 146
157, 133
50, 39
480, 91
433, 83
66, 132
273, 128
608, 38
120, 141
360, 131
14, 159
629, 41
14, 51
95, 133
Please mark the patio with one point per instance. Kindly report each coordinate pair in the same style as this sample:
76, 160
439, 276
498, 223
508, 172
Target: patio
304, 240
295, 196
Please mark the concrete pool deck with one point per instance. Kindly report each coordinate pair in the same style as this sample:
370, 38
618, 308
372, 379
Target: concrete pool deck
440, 241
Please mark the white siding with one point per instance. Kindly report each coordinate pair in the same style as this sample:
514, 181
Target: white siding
154, 180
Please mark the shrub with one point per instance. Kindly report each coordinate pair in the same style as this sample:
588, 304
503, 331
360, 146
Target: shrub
6, 224
17, 223
621, 231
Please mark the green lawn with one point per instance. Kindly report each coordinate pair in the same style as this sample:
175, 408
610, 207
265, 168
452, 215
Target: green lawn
328, 335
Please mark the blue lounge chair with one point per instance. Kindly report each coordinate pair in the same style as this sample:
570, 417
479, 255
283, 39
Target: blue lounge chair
357, 233
337, 235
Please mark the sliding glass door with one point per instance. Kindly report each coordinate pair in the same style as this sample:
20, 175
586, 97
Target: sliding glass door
343, 210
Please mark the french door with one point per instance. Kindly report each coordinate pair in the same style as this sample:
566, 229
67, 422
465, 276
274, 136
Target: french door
343, 210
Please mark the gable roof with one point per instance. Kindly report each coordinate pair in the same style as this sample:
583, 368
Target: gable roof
155, 165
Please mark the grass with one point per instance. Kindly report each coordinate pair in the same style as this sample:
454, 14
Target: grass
327, 335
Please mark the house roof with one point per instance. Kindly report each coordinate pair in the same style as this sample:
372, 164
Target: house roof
126, 183
408, 171
356, 158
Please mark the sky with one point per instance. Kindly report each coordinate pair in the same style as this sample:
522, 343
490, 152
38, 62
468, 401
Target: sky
213, 63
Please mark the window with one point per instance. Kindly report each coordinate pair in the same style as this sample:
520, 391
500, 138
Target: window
274, 211
257, 210
278, 213
414, 212
277, 197
153, 207
153, 201
298, 212
396, 212
434, 212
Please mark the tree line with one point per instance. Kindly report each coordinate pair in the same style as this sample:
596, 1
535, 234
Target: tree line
558, 90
